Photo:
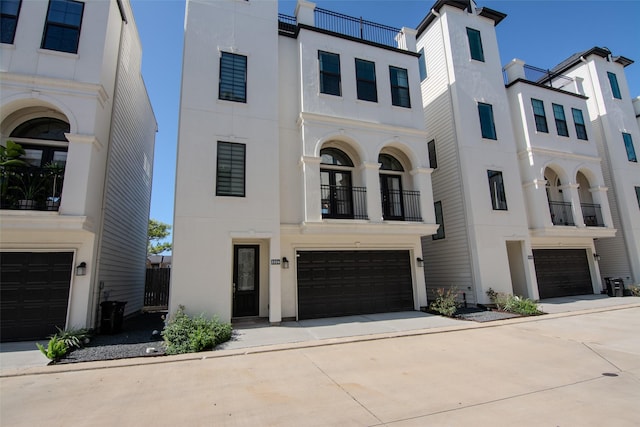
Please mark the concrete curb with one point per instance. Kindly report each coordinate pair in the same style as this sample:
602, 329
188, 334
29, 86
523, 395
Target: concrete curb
213, 354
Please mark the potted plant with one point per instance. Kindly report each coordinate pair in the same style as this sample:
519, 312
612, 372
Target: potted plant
30, 187
55, 173
10, 160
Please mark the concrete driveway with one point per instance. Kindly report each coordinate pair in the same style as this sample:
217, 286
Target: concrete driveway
572, 369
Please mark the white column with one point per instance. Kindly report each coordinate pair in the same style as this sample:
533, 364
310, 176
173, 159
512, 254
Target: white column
574, 198
599, 195
422, 183
312, 196
304, 13
78, 174
371, 177
406, 39
538, 203
275, 283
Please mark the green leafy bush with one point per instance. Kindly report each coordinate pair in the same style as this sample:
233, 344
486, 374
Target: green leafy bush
73, 338
56, 348
635, 290
513, 303
184, 334
445, 302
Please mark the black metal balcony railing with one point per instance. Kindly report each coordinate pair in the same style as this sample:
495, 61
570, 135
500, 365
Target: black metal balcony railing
31, 188
561, 213
542, 76
344, 202
592, 215
287, 24
401, 205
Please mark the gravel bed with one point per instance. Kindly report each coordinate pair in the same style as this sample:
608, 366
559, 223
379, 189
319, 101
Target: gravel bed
139, 337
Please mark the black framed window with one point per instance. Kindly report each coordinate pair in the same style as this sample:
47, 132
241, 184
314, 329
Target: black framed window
561, 120
366, 80
628, 145
437, 206
329, 64
496, 188
62, 28
638, 195
9, 11
475, 44
433, 160
399, 87
539, 115
230, 169
578, 121
422, 65
487, 124
233, 77
615, 88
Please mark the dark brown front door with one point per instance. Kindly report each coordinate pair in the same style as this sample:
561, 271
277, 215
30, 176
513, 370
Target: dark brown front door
245, 280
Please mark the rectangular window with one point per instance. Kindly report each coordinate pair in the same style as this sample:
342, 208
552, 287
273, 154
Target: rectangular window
561, 120
366, 80
433, 161
496, 187
487, 124
230, 170
638, 195
475, 44
62, 29
10, 9
422, 65
628, 145
578, 120
615, 89
539, 115
399, 87
233, 77
329, 73
439, 220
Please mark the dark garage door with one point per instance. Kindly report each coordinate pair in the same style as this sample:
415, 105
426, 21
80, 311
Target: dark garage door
562, 272
344, 283
34, 293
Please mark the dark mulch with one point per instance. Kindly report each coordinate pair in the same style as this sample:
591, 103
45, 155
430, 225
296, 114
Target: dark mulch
139, 337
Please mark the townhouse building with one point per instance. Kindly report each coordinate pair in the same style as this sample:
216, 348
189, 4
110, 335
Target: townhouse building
76, 188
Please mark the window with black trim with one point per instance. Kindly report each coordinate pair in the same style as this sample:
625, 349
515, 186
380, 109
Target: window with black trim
9, 10
62, 28
329, 64
615, 88
233, 77
422, 65
439, 220
399, 87
230, 169
433, 160
561, 120
496, 188
578, 121
638, 195
628, 145
487, 124
366, 80
539, 115
475, 44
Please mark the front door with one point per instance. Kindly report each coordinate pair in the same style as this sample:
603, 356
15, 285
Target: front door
245, 280
391, 189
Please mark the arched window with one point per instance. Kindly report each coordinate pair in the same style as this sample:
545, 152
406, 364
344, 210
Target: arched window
389, 163
46, 128
335, 157
335, 183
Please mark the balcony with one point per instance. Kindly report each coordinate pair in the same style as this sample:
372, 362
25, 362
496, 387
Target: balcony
400, 205
343, 202
592, 215
31, 188
561, 213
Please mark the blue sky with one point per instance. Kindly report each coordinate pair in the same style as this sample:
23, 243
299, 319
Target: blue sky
540, 32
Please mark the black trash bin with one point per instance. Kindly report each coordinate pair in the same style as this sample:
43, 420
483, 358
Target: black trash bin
615, 287
112, 313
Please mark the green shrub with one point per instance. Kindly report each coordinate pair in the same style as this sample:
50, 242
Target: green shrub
445, 302
73, 338
56, 348
635, 290
184, 334
513, 303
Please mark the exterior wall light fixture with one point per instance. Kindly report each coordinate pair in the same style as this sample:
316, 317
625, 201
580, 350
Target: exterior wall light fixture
285, 262
420, 262
596, 256
81, 269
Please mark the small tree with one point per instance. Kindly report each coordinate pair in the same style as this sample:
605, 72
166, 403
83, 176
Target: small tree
157, 231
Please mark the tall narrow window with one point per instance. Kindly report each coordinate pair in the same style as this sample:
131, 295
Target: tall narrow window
366, 80
62, 29
638, 195
539, 115
433, 160
628, 145
561, 120
487, 124
475, 44
233, 77
439, 220
329, 73
10, 9
496, 188
230, 171
615, 89
399, 87
422, 65
578, 120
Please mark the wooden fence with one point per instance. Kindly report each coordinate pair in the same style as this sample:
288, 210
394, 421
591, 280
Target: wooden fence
156, 288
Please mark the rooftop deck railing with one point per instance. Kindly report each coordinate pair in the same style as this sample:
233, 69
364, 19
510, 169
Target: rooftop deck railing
542, 76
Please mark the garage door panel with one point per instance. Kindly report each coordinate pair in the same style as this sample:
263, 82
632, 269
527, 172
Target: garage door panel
562, 272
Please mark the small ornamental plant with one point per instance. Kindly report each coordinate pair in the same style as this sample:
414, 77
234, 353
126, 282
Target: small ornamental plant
64, 341
184, 334
445, 302
513, 303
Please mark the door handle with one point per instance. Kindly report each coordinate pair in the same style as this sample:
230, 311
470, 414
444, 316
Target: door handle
234, 288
